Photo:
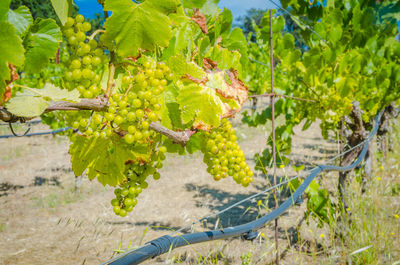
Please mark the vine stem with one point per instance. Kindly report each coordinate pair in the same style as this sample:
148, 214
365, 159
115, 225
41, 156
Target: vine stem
273, 132
100, 105
110, 82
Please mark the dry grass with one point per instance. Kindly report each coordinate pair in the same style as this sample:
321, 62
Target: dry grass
43, 220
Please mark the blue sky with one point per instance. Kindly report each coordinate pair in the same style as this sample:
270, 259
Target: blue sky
238, 7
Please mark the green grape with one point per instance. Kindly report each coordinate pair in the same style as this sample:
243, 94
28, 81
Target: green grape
72, 40
87, 73
79, 18
70, 22
118, 120
131, 116
86, 26
69, 32
80, 36
224, 157
76, 74
129, 138
87, 60
163, 149
88, 94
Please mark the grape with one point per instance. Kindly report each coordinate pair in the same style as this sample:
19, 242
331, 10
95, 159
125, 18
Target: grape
129, 138
79, 18
223, 155
87, 60
86, 26
80, 36
70, 22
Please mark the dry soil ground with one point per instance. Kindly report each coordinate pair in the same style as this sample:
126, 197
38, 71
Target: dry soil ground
42, 220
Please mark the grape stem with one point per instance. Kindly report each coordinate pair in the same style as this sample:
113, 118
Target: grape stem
91, 37
99, 104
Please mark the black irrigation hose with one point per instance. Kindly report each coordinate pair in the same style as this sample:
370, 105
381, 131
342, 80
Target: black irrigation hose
165, 243
38, 133
27, 122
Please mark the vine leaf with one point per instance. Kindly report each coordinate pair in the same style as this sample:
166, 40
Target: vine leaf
139, 26
33, 102
105, 159
200, 104
63, 9
21, 19
4, 7
41, 43
180, 67
193, 3
233, 94
12, 52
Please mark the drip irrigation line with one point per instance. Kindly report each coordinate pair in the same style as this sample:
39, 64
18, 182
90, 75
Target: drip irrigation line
166, 243
36, 134
22, 123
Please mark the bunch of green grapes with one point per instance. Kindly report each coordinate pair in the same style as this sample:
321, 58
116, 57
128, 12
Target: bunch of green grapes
85, 58
129, 115
131, 112
136, 175
224, 157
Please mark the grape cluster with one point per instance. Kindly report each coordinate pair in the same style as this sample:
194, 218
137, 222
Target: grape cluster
224, 157
131, 112
85, 58
136, 175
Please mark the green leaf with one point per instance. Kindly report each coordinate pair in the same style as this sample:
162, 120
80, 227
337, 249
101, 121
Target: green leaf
139, 26
330, 3
335, 34
226, 59
288, 41
54, 93
237, 41
4, 7
104, 158
41, 44
168, 96
180, 67
27, 104
193, 3
200, 104
33, 102
63, 9
223, 24
21, 19
12, 52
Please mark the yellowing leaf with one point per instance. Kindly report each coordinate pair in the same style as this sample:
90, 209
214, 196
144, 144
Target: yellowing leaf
63, 9
180, 67
33, 102
200, 104
11, 51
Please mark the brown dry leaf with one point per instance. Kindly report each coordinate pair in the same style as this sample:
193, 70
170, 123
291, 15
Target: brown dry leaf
210, 64
196, 80
14, 76
233, 92
200, 20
